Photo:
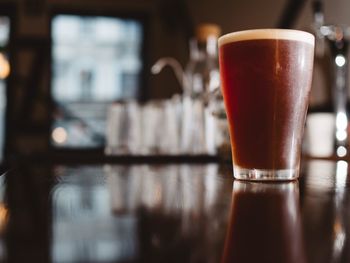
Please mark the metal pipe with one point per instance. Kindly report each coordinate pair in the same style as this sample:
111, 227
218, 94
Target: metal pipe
337, 38
340, 63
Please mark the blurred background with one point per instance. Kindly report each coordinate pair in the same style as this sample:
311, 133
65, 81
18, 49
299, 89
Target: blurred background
64, 62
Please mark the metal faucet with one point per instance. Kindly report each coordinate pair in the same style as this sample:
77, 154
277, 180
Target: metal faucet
176, 67
337, 38
181, 75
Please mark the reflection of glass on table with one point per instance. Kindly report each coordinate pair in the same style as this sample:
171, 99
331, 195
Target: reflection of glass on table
265, 224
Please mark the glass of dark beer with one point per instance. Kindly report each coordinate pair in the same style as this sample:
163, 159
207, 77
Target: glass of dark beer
266, 80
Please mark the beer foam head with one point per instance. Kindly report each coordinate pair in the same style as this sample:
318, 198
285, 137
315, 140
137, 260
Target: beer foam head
256, 34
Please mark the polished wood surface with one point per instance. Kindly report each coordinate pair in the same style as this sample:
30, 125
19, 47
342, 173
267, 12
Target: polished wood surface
172, 213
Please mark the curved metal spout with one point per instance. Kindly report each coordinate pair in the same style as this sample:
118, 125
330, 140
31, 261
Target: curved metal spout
176, 67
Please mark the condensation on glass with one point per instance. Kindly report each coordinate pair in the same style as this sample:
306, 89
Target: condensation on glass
95, 60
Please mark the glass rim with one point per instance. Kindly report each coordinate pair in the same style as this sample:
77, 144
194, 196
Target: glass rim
268, 33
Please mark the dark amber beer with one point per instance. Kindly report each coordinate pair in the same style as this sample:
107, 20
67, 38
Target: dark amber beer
266, 80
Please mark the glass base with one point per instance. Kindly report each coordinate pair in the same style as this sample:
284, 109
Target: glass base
265, 175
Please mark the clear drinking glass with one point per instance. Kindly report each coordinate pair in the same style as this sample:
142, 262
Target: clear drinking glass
266, 80
123, 128
161, 126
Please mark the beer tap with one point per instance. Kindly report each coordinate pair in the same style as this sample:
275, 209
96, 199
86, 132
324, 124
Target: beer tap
337, 38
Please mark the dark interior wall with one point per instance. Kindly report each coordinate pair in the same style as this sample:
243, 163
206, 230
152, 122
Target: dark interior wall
235, 15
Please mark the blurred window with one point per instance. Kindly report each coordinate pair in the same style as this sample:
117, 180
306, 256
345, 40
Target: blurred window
95, 61
4, 72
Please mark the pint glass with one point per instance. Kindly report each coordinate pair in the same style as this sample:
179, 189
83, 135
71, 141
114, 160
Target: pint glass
266, 80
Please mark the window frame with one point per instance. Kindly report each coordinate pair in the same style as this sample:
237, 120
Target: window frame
143, 93
9, 10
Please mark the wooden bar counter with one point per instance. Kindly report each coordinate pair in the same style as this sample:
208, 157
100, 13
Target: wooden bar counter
178, 212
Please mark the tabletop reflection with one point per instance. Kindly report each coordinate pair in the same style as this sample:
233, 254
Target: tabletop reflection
173, 213
326, 229
265, 224
140, 213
